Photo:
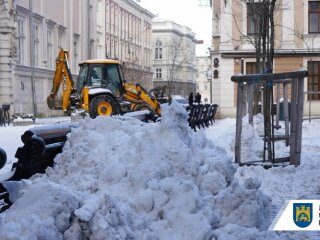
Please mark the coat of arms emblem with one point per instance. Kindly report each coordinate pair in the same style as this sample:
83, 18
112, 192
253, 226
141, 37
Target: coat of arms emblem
302, 214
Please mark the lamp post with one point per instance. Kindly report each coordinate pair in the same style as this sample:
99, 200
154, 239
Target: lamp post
209, 78
32, 56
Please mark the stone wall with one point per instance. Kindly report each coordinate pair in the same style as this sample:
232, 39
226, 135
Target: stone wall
7, 51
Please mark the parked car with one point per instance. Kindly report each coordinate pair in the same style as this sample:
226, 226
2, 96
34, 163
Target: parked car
181, 100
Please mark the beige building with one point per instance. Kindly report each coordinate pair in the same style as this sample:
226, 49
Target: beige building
89, 29
297, 46
174, 57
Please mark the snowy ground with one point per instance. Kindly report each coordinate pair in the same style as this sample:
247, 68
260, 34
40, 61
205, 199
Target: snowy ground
129, 180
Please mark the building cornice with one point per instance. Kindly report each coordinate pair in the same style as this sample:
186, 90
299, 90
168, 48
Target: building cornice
277, 53
177, 32
139, 8
50, 22
22, 10
61, 28
26, 70
37, 17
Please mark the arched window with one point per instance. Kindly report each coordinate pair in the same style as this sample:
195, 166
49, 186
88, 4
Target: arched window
158, 50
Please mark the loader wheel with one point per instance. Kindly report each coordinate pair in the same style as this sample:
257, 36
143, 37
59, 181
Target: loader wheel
103, 105
3, 158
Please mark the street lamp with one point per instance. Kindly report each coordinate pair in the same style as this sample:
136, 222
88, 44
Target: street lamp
209, 78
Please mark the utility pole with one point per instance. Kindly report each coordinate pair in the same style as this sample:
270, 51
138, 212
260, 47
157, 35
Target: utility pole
209, 78
34, 104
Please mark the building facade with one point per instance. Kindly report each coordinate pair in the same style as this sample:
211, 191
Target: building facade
204, 78
124, 33
297, 46
174, 57
33, 31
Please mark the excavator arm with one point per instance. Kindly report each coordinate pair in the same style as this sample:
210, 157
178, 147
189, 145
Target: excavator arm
140, 99
62, 77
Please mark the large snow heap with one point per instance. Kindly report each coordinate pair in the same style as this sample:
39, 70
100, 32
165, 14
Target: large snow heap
120, 178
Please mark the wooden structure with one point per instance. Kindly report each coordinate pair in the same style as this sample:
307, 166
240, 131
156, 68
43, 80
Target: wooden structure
288, 81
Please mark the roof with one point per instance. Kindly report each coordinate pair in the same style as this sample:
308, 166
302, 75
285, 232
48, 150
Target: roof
100, 61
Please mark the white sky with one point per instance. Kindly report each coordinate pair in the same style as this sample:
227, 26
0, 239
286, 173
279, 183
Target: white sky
188, 13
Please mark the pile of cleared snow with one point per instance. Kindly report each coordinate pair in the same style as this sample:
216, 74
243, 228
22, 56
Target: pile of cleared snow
124, 179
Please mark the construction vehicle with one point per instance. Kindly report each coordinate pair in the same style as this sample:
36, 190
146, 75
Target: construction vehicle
100, 89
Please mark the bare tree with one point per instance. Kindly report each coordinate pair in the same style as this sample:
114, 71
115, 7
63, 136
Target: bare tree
260, 18
177, 59
261, 34
134, 73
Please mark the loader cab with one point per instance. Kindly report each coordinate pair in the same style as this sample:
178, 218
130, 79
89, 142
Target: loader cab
104, 74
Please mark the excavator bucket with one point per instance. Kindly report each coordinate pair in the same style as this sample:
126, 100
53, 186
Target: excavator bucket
160, 93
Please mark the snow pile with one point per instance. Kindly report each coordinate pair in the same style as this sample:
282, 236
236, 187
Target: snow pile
120, 178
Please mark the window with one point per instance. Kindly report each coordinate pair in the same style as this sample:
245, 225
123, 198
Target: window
158, 50
111, 75
253, 18
82, 78
314, 17
36, 42
158, 73
50, 47
251, 68
101, 75
313, 79
21, 42
60, 39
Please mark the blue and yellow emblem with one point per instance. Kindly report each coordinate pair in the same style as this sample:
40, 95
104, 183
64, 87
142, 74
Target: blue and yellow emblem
302, 214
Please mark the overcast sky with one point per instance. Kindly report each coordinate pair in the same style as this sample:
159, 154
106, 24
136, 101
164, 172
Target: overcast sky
189, 13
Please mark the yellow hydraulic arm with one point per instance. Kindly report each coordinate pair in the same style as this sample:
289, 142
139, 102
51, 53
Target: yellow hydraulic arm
62, 76
137, 95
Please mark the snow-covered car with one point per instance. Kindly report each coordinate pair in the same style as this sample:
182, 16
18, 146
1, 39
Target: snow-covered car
181, 100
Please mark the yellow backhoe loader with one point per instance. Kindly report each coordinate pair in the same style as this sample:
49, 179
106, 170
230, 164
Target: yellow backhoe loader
100, 89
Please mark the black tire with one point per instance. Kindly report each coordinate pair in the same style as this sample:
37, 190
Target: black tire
3, 158
103, 105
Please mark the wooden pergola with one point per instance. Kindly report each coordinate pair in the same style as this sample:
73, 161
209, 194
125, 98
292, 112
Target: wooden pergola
293, 117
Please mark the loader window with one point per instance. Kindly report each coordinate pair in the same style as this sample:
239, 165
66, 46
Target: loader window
95, 76
113, 81
82, 80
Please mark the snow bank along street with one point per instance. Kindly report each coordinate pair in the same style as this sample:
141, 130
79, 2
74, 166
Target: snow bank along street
120, 178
